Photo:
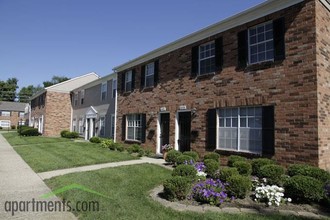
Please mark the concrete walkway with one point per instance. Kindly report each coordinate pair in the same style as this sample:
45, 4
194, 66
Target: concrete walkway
142, 160
19, 185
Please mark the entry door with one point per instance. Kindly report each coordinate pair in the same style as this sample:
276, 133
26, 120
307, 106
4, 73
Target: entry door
184, 131
164, 129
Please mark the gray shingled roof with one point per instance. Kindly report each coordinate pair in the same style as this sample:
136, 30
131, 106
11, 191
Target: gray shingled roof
12, 106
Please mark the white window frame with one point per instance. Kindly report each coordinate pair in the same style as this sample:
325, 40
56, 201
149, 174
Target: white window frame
240, 128
211, 56
7, 122
114, 88
21, 114
134, 121
149, 74
82, 97
128, 80
74, 124
81, 126
5, 113
75, 99
257, 43
102, 126
113, 124
104, 90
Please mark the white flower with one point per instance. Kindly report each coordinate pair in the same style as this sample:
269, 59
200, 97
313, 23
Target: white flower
289, 200
201, 173
269, 203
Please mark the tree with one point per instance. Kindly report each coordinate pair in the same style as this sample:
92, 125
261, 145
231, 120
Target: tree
26, 93
8, 89
55, 80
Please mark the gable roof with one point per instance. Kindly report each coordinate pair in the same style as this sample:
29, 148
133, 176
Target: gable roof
244, 17
12, 106
96, 82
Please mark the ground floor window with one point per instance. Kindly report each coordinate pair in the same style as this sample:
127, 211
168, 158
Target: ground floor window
5, 124
102, 126
241, 129
112, 135
134, 127
74, 125
80, 126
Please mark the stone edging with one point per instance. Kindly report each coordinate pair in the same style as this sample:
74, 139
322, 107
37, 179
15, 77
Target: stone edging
154, 194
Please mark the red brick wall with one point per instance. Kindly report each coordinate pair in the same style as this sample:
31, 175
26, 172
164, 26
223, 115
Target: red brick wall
290, 85
13, 118
323, 89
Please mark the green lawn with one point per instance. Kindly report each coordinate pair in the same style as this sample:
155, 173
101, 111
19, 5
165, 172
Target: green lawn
127, 188
45, 154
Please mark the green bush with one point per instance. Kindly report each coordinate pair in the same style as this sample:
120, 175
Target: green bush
22, 127
108, 143
258, 163
71, 134
0, 128
211, 167
63, 133
95, 140
135, 148
176, 187
120, 148
185, 171
234, 158
30, 132
239, 186
243, 167
224, 173
141, 152
273, 173
148, 152
212, 156
172, 155
13, 126
307, 170
184, 159
304, 189
193, 154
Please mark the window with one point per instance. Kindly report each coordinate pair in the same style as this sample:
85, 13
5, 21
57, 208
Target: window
80, 125
207, 58
261, 43
5, 124
134, 127
149, 73
74, 125
240, 129
21, 114
21, 123
102, 126
82, 97
113, 118
5, 113
75, 99
103, 91
128, 81
114, 88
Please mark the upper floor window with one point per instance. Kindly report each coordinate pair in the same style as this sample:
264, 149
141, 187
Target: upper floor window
128, 81
149, 73
82, 97
21, 114
5, 113
75, 99
103, 91
207, 58
261, 43
114, 88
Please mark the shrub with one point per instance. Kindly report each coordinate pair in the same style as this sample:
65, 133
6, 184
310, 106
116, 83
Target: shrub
172, 155
304, 189
212, 156
13, 126
243, 167
63, 133
176, 187
307, 170
192, 154
210, 191
211, 167
185, 171
234, 158
71, 134
135, 148
141, 152
239, 186
273, 173
108, 143
148, 152
183, 159
224, 173
0, 128
258, 163
271, 195
22, 127
30, 132
95, 140
120, 148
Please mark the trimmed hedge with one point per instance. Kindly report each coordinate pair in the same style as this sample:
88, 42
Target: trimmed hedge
185, 171
135, 148
273, 173
172, 155
304, 189
212, 167
192, 154
311, 171
95, 140
63, 133
69, 134
176, 187
243, 167
30, 132
239, 186
224, 173
234, 158
184, 158
258, 163
212, 156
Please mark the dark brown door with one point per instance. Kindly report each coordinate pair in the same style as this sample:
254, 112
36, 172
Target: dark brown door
184, 131
164, 129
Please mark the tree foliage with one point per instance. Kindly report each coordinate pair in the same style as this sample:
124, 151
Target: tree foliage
25, 93
8, 89
55, 80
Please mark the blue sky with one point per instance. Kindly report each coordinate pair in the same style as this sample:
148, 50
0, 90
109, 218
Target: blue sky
42, 38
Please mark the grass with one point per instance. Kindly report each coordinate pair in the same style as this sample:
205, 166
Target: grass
128, 190
45, 154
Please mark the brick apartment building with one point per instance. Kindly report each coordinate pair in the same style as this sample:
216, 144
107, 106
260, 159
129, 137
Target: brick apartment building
254, 84
12, 114
51, 108
94, 106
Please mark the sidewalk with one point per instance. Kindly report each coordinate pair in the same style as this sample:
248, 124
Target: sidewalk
18, 182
